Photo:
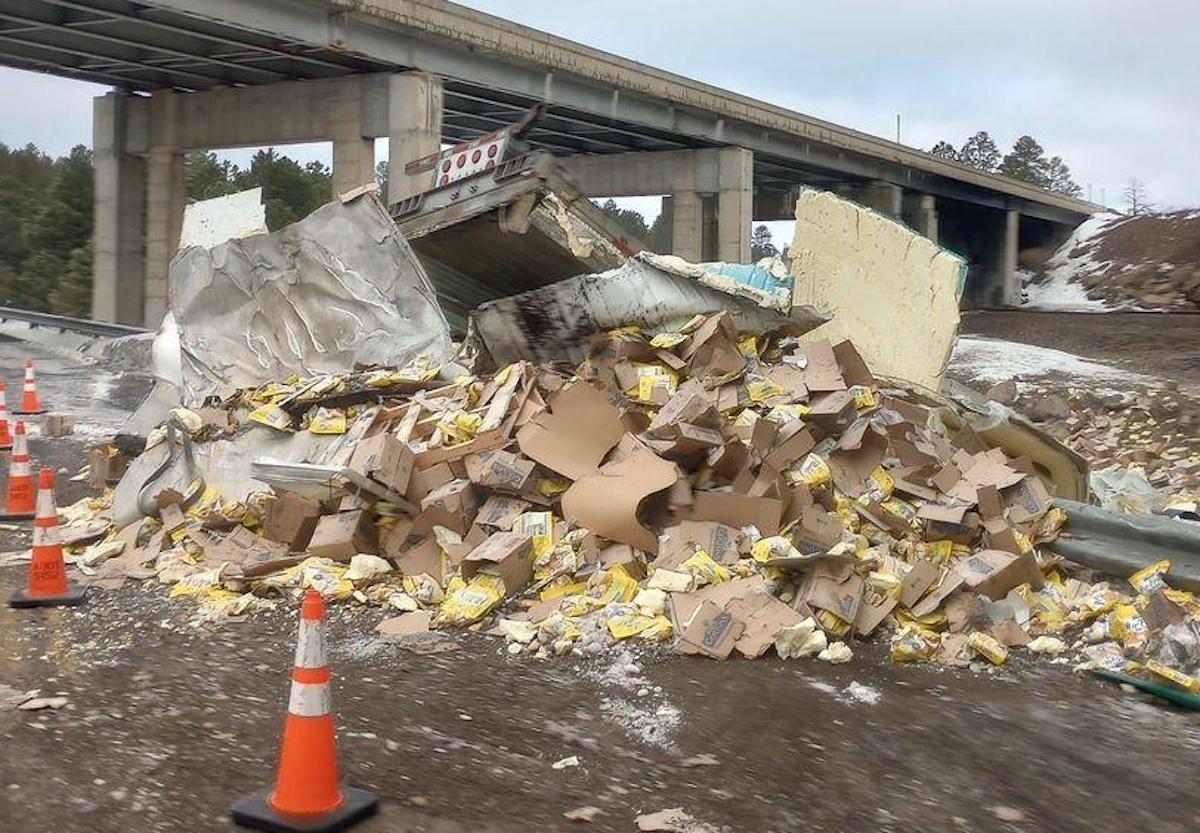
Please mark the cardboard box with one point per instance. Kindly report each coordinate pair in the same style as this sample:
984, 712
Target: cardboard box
57, 425
500, 511
713, 631
458, 497
344, 535
425, 480
291, 520
824, 588
992, 573
510, 553
384, 459
916, 581
500, 470
738, 510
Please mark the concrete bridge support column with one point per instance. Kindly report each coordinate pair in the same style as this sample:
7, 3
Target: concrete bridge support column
353, 153
735, 204
1010, 241
884, 197
921, 214
687, 225
166, 197
120, 203
414, 129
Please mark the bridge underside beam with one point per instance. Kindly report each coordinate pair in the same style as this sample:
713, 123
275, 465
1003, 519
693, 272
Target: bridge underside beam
141, 141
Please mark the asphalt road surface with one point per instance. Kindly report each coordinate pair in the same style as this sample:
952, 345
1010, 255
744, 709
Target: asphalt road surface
166, 724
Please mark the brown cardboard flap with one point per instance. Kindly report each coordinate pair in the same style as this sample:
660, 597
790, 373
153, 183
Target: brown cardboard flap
607, 501
574, 436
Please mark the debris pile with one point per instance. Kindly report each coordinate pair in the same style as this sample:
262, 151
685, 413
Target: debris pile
721, 491
1155, 431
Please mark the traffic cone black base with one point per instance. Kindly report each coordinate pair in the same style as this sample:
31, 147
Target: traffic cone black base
19, 412
16, 516
73, 596
255, 811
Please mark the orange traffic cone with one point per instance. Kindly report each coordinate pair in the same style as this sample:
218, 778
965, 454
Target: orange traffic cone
19, 502
47, 586
30, 404
5, 437
307, 796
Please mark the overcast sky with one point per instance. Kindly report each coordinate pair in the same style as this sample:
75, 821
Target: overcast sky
1109, 85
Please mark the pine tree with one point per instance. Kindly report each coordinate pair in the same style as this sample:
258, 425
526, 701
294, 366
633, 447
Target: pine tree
73, 294
980, 152
761, 244
290, 192
945, 150
1026, 162
628, 219
205, 176
1059, 176
381, 179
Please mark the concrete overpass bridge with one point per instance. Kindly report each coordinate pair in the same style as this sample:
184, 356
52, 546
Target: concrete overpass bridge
199, 74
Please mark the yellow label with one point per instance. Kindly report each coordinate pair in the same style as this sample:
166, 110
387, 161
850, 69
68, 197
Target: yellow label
748, 347
832, 623
706, 571
557, 591
813, 471
628, 624
667, 340
864, 397
788, 411
475, 600
660, 629
539, 526
272, 416
616, 585
1172, 676
328, 421
987, 647
761, 390
1149, 579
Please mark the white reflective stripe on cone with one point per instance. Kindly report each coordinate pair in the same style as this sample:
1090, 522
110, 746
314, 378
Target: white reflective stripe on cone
45, 504
46, 536
309, 699
20, 468
310, 647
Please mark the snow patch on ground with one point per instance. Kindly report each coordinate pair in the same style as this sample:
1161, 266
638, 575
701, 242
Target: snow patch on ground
992, 360
1059, 290
855, 694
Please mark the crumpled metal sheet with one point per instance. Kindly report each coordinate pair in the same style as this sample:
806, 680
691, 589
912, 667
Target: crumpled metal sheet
338, 288
555, 321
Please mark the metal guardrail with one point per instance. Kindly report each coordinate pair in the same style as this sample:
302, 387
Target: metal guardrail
66, 323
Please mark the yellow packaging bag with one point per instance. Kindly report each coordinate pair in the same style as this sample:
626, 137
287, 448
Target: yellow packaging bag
832, 623
615, 585
705, 570
667, 340
761, 390
987, 647
659, 630
474, 601
272, 416
748, 347
864, 397
1172, 676
557, 590
812, 471
628, 624
1149, 579
328, 421
539, 526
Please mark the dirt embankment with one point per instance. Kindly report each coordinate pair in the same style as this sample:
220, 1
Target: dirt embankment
1150, 261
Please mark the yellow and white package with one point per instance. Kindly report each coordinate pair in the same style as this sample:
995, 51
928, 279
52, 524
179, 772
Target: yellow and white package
667, 340
625, 625
864, 397
760, 390
1172, 676
539, 526
328, 421
987, 647
613, 585
475, 600
705, 570
812, 471
272, 416
1149, 579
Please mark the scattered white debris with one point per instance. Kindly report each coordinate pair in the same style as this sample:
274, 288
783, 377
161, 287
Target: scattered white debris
1047, 645
39, 703
836, 653
565, 762
587, 813
856, 692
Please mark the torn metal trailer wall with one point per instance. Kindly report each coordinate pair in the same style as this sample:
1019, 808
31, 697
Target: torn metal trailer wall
556, 321
891, 291
499, 237
340, 287
1123, 544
